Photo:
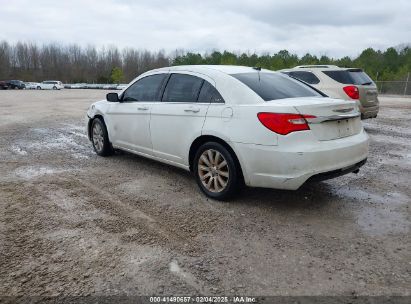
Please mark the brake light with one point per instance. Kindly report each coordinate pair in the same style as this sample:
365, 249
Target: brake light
284, 123
352, 92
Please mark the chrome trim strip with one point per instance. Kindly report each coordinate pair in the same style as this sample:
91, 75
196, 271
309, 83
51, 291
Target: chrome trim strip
321, 119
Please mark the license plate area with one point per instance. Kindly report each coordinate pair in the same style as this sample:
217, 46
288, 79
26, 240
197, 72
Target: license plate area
335, 129
345, 127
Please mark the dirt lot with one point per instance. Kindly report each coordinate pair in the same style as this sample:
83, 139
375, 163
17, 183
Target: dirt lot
73, 223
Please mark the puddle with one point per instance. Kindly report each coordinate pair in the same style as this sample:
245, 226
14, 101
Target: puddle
382, 221
390, 198
385, 215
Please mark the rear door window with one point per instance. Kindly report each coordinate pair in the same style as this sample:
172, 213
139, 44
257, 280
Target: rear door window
271, 86
210, 94
307, 77
145, 89
182, 88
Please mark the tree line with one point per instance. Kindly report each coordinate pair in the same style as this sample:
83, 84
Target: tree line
72, 63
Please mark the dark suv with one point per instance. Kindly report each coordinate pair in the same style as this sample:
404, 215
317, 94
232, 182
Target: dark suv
16, 84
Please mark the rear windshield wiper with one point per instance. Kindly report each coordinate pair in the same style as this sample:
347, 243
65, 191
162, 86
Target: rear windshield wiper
366, 83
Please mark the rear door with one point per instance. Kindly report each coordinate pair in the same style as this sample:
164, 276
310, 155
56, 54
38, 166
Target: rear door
129, 120
179, 118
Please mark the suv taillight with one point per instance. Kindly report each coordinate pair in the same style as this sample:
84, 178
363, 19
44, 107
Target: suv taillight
352, 92
284, 123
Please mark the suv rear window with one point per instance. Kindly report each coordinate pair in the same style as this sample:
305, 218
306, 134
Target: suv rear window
352, 76
271, 86
360, 77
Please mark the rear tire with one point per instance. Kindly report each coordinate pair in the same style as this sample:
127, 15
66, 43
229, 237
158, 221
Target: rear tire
38, 88
99, 138
216, 171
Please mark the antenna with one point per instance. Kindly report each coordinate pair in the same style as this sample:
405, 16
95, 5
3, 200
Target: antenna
258, 69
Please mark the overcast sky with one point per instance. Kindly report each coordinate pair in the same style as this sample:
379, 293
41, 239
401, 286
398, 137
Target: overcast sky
321, 27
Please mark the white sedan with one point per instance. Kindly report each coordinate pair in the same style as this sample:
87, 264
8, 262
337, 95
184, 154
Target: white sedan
230, 126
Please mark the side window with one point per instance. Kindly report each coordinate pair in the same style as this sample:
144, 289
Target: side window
209, 93
182, 88
145, 89
308, 77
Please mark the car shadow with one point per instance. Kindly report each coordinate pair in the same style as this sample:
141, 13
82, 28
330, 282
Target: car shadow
310, 195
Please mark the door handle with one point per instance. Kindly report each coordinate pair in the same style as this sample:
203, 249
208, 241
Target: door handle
193, 110
142, 108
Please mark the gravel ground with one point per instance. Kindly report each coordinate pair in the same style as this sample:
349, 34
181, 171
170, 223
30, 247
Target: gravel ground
73, 223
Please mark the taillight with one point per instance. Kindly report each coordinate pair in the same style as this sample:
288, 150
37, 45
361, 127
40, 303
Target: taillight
352, 92
283, 123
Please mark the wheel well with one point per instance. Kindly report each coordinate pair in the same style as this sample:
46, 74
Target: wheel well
207, 138
90, 123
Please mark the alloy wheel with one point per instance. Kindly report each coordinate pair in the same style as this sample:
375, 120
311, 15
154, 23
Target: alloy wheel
98, 137
213, 170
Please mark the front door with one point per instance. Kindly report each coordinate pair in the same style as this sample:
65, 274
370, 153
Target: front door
129, 119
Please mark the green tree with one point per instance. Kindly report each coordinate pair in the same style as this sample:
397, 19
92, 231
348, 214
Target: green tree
117, 75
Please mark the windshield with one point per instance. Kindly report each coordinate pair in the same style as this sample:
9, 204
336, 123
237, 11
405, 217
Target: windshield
271, 86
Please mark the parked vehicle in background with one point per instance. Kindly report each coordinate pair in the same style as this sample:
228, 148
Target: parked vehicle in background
121, 87
76, 86
110, 86
3, 85
50, 85
344, 83
231, 125
31, 85
16, 84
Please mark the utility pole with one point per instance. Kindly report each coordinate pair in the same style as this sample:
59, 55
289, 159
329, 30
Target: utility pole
406, 83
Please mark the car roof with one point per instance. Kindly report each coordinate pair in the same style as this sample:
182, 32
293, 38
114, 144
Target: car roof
319, 68
206, 69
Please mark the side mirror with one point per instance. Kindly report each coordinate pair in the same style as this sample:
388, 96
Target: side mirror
112, 97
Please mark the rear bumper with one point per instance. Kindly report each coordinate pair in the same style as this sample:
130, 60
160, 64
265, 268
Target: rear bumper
287, 168
369, 112
336, 173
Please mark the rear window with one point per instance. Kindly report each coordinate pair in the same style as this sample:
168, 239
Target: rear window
271, 86
353, 76
360, 77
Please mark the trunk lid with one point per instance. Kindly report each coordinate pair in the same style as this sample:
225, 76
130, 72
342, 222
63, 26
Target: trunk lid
334, 118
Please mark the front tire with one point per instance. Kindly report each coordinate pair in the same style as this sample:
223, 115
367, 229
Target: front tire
99, 138
216, 171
